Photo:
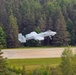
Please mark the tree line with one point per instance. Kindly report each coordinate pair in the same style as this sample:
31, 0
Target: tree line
24, 16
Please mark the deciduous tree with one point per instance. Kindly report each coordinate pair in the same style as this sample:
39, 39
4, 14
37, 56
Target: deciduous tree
67, 62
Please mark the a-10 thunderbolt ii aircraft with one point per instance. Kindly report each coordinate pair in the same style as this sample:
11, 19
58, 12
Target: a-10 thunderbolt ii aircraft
35, 36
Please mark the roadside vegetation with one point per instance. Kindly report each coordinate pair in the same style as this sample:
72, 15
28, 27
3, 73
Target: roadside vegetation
66, 65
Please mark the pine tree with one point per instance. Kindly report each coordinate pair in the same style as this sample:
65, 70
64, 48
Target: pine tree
72, 14
62, 37
42, 23
2, 37
38, 29
13, 31
3, 64
70, 28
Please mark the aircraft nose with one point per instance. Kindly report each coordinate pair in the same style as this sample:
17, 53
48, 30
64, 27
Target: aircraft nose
54, 33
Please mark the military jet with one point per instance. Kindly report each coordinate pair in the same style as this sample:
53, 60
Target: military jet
35, 36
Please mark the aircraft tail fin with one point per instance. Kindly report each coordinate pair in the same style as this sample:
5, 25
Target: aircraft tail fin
21, 38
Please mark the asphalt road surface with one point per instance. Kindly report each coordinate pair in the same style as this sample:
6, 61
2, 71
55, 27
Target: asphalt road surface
34, 53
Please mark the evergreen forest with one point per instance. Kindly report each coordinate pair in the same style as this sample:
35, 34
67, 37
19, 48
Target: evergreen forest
25, 16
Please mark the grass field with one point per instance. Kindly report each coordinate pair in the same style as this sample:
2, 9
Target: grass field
35, 61
34, 47
32, 64
41, 47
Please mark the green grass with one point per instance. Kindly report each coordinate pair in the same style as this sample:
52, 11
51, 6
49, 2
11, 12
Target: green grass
32, 64
40, 47
35, 61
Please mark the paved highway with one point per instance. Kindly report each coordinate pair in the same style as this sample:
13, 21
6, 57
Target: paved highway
33, 53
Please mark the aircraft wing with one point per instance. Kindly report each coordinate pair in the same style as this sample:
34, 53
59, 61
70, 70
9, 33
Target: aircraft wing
39, 38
